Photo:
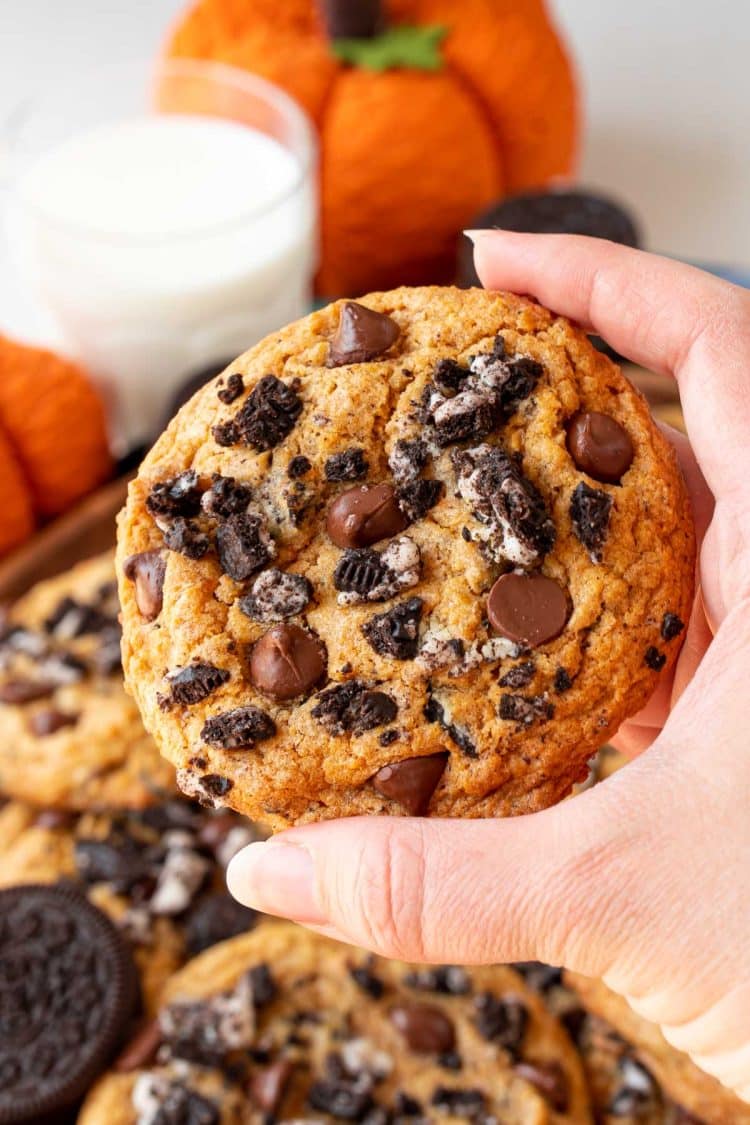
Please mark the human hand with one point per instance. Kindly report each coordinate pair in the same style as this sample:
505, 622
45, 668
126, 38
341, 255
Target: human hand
645, 879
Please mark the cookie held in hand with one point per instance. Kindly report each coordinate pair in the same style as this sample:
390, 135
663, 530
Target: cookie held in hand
424, 562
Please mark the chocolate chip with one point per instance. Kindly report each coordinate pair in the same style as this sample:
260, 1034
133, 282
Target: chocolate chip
424, 1027
396, 632
346, 1099
276, 595
70, 990
407, 459
461, 1103
353, 707
214, 918
186, 538
671, 626
519, 676
562, 681
416, 499
298, 467
506, 503
527, 608
193, 684
502, 1020
600, 446
47, 722
434, 712
590, 509
216, 785
287, 662
238, 729
449, 376
26, 691
178, 496
141, 1050
262, 984
146, 570
267, 416
361, 335
345, 20
267, 1084
349, 465
361, 516
232, 390
374, 576
655, 659
412, 781
525, 710
549, 1078
226, 497
367, 981
55, 819
244, 546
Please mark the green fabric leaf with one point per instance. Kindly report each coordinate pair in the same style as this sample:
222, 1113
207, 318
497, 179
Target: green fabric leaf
417, 48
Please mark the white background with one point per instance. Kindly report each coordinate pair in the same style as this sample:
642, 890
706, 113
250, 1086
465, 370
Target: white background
666, 85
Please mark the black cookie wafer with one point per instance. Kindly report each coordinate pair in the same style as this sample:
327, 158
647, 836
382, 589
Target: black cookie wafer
68, 992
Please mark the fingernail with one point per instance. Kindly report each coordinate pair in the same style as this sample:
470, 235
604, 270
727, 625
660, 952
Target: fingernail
474, 235
276, 878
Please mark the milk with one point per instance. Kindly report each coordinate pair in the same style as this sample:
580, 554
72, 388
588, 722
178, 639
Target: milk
162, 244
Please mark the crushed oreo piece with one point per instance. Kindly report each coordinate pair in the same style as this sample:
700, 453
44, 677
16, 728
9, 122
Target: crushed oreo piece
276, 595
351, 464
463, 1102
562, 681
525, 710
367, 981
244, 545
590, 509
407, 459
638, 1091
192, 684
388, 737
118, 860
345, 1098
515, 524
671, 626
655, 659
267, 416
416, 499
299, 466
185, 537
451, 980
206, 1031
519, 676
238, 729
451, 1060
226, 497
353, 707
549, 1078
435, 712
449, 376
262, 984
232, 389
366, 575
395, 633
468, 416
178, 496
71, 618
216, 917
502, 1020
161, 1101
216, 785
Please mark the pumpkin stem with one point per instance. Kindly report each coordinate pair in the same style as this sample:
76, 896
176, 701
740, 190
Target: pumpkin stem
352, 19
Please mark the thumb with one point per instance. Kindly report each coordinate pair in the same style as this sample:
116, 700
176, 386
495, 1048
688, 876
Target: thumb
540, 886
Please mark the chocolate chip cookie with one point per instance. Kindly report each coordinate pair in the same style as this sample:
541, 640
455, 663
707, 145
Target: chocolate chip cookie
701, 1097
70, 736
288, 1026
417, 555
158, 873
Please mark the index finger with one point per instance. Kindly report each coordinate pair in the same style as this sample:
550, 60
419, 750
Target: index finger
659, 313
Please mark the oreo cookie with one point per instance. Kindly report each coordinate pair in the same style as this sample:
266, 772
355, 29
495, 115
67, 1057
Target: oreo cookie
68, 994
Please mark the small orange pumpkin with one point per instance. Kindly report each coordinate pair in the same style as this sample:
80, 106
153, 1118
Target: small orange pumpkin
53, 438
411, 149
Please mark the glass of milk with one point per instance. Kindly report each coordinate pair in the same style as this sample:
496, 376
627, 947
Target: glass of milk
164, 221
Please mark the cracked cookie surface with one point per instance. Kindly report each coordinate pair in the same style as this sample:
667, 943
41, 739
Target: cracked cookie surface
463, 547
70, 735
282, 1025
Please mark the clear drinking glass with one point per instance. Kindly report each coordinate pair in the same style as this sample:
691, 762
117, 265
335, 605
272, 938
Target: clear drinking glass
144, 303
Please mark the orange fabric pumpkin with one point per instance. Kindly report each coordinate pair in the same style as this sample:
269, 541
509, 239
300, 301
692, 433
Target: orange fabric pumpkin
408, 156
53, 438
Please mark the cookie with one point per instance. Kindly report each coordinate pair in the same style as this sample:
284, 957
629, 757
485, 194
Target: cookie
414, 556
622, 1089
70, 737
302, 1028
158, 874
700, 1097
69, 995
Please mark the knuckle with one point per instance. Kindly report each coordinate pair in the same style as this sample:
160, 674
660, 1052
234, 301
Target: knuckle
388, 892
